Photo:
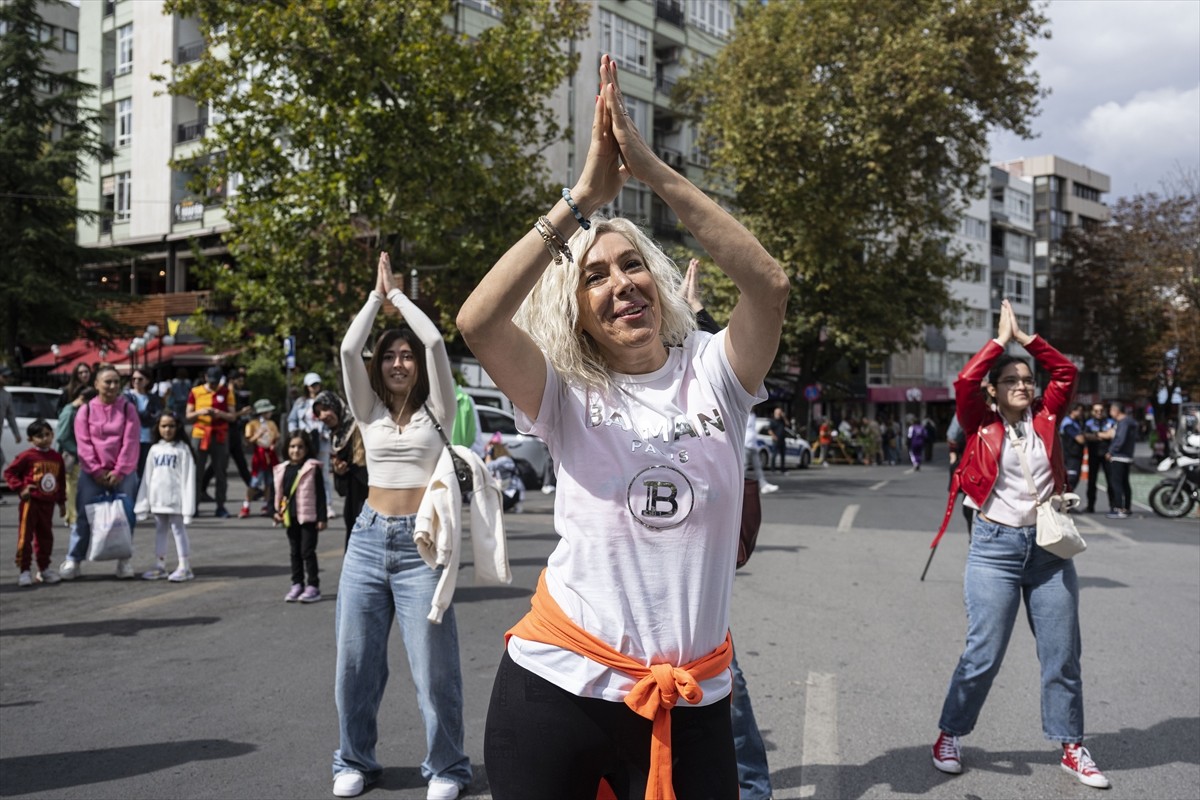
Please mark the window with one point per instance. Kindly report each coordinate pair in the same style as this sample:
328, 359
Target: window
1018, 205
45, 33
973, 273
1087, 192
877, 372
1025, 323
973, 228
1016, 287
711, 16
1016, 247
70, 41
124, 49
124, 125
124, 197
974, 318
486, 6
632, 203
628, 42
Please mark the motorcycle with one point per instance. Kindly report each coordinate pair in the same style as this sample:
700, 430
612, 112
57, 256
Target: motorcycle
1176, 496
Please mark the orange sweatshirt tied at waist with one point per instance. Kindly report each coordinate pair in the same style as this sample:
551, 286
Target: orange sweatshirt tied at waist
658, 688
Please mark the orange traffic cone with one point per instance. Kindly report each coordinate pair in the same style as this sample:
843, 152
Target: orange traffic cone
1083, 471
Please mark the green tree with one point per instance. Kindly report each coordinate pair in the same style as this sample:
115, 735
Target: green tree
1127, 294
45, 140
849, 133
368, 125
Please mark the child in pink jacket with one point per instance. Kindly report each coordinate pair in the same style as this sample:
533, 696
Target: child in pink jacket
302, 509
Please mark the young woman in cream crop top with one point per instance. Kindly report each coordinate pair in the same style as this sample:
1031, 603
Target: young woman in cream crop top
384, 580
389, 399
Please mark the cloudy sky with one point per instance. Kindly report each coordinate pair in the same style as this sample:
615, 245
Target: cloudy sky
1124, 77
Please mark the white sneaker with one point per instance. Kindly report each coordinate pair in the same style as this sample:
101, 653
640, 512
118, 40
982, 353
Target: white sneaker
548, 488
442, 790
124, 569
25, 579
49, 575
69, 570
767, 488
348, 784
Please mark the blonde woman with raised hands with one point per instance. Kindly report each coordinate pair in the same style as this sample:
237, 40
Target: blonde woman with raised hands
583, 325
397, 399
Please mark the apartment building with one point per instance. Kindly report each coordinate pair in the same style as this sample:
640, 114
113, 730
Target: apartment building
152, 214
1066, 195
156, 217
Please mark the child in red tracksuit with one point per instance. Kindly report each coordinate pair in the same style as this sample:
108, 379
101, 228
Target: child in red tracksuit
39, 476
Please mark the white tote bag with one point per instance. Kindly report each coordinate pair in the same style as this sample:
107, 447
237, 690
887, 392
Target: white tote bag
111, 535
1056, 531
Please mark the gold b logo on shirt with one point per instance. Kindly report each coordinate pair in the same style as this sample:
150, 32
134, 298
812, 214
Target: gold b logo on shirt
660, 497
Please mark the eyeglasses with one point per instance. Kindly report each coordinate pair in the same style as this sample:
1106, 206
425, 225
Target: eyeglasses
1011, 382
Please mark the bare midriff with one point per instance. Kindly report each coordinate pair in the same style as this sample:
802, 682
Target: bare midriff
395, 502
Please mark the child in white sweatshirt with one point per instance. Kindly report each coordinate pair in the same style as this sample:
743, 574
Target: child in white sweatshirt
168, 491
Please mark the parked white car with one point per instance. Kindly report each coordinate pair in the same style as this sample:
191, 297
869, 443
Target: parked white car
530, 452
29, 403
797, 452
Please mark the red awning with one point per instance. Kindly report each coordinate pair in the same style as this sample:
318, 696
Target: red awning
908, 394
66, 352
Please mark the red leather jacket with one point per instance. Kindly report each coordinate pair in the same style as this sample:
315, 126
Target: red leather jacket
980, 461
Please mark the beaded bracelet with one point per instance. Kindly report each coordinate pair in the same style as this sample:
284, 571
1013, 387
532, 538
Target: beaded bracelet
583, 221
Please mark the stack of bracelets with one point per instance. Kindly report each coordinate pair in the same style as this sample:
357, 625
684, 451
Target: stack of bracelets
552, 237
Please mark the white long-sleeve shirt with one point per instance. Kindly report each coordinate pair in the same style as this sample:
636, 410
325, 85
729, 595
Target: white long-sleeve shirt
396, 458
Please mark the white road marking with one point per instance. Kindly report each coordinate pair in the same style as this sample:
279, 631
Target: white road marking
910, 470
847, 520
880, 485
1094, 526
191, 590
820, 734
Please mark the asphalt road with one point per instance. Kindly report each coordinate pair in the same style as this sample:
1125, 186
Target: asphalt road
218, 689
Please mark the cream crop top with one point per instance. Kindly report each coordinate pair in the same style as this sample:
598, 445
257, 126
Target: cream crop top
398, 459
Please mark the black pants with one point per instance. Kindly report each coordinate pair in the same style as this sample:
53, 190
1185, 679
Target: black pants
303, 539
1121, 491
237, 452
1073, 466
219, 452
356, 495
544, 743
1097, 465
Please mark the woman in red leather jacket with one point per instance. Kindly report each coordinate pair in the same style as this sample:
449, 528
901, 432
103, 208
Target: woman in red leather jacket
1005, 564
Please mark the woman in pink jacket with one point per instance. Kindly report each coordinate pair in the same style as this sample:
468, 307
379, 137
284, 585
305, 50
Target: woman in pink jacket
107, 432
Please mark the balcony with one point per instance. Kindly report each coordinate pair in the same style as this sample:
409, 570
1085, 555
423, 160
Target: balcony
187, 53
106, 223
664, 85
106, 81
190, 131
110, 7
670, 11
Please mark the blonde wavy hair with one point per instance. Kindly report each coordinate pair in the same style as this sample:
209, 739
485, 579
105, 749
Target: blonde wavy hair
550, 314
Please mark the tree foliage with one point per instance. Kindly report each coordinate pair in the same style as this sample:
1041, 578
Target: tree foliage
849, 133
45, 140
1127, 295
368, 125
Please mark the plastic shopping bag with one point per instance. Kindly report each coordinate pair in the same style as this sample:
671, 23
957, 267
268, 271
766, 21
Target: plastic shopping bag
112, 537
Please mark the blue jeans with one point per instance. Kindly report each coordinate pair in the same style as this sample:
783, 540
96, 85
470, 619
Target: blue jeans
1004, 565
383, 577
754, 778
87, 492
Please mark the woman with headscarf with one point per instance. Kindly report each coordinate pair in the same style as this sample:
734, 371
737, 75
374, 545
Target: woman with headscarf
348, 459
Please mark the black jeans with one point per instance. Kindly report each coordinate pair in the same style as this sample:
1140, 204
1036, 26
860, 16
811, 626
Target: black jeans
303, 539
219, 451
1097, 466
1122, 492
544, 743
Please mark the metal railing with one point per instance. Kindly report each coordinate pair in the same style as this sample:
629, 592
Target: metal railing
187, 53
669, 11
190, 131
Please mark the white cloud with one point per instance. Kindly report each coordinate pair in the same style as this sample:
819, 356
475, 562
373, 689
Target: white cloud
1145, 138
1124, 97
